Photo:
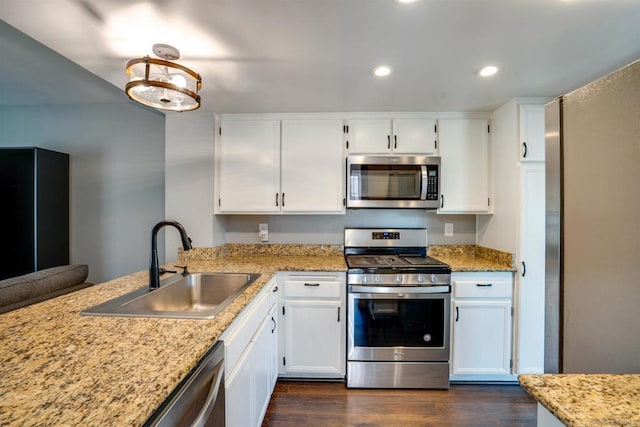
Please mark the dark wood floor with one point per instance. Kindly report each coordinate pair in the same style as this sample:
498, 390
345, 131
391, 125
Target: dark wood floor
332, 404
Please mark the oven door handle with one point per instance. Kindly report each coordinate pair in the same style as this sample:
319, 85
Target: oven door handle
397, 291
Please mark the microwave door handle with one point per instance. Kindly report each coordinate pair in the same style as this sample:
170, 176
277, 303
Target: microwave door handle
423, 193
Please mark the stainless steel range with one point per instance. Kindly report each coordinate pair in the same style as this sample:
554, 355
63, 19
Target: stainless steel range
398, 310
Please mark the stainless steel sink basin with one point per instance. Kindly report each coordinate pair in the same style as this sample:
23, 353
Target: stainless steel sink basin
195, 296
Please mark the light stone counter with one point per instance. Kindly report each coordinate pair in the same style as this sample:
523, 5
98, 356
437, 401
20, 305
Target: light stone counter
60, 368
473, 258
589, 400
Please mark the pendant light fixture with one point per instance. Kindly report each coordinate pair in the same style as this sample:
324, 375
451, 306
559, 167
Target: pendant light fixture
162, 84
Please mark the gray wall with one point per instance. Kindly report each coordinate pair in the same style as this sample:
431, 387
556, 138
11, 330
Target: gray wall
117, 176
602, 225
116, 151
328, 229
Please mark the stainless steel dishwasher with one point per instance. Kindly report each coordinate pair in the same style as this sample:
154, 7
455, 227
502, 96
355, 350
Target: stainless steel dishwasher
198, 400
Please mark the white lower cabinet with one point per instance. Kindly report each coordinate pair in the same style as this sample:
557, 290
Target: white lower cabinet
312, 335
481, 326
250, 365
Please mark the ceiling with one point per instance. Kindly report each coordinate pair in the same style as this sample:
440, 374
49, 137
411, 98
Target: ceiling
317, 55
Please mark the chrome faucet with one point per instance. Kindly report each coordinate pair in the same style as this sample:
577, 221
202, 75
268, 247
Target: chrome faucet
154, 271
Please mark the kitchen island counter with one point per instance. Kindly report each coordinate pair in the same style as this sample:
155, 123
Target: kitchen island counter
588, 399
60, 368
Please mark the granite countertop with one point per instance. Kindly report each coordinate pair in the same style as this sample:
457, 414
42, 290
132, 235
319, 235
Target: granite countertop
588, 399
473, 258
60, 368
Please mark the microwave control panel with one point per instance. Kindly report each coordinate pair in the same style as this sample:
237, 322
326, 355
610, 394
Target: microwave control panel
432, 182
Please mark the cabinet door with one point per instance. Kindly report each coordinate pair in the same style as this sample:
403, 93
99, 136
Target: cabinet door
249, 166
273, 355
530, 304
369, 136
262, 365
239, 396
464, 152
532, 132
314, 338
481, 337
416, 136
312, 166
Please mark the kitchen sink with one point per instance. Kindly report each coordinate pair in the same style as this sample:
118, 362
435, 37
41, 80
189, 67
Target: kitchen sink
194, 296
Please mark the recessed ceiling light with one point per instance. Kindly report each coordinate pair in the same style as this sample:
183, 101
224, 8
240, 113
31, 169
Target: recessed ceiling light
488, 71
404, 1
381, 71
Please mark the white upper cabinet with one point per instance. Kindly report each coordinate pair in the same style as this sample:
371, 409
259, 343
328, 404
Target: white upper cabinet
249, 166
398, 136
464, 153
532, 132
300, 170
312, 166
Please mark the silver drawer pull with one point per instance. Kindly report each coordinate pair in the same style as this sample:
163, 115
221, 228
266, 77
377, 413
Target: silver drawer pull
484, 285
312, 284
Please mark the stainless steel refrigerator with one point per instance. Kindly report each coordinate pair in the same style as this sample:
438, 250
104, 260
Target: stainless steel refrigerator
592, 322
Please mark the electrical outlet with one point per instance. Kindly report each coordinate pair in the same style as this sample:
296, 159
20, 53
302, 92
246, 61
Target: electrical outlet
448, 229
263, 232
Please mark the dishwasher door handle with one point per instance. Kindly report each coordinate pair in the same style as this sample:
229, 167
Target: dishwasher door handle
214, 391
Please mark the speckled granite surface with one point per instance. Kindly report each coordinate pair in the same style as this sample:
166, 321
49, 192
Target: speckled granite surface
589, 400
60, 368
473, 258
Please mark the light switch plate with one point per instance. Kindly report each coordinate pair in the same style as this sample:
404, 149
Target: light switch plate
263, 232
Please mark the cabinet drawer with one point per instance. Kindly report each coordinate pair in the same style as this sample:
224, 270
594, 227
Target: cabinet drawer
482, 289
239, 334
313, 287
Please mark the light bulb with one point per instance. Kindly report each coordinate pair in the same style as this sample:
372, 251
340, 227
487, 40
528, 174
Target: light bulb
179, 80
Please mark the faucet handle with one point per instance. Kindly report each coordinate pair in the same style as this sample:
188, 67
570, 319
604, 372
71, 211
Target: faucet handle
185, 272
164, 270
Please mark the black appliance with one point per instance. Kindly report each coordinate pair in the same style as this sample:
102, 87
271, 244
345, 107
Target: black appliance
34, 187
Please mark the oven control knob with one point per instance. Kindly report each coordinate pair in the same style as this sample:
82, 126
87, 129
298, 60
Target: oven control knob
434, 278
377, 278
399, 278
420, 278
365, 279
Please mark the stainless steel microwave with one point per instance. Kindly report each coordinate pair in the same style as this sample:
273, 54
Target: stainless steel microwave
393, 181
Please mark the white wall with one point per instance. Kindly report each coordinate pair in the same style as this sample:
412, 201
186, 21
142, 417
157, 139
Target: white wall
189, 174
117, 176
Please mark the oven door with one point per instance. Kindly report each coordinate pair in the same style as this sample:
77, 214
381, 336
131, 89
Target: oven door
398, 325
